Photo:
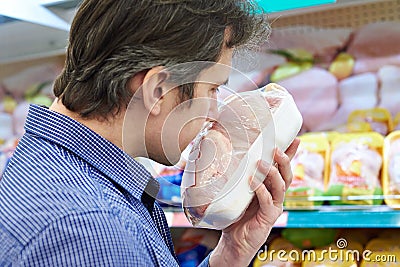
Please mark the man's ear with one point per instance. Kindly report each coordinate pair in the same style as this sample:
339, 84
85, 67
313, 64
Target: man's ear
153, 89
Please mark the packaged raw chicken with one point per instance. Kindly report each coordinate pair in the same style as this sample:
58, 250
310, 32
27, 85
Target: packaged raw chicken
322, 43
375, 40
355, 165
216, 182
356, 127
315, 91
309, 167
379, 119
389, 93
391, 169
355, 92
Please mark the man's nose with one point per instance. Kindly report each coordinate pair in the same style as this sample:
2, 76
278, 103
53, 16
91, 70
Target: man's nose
213, 112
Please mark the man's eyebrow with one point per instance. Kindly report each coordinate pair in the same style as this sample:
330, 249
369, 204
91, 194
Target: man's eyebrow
225, 82
219, 83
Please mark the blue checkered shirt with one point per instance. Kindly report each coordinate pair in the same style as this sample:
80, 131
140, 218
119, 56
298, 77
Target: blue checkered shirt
71, 198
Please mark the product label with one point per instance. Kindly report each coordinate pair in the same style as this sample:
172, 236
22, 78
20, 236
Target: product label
352, 181
351, 175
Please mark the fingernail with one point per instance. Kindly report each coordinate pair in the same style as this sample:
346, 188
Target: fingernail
280, 153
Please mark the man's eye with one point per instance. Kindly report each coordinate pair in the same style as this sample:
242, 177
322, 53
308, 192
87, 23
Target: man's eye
215, 90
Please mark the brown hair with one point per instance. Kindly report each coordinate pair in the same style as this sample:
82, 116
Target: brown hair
112, 40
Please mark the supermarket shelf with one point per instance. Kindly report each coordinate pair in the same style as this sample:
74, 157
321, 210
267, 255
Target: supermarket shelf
329, 217
344, 219
343, 14
324, 7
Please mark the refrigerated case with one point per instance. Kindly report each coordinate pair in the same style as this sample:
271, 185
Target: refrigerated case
343, 14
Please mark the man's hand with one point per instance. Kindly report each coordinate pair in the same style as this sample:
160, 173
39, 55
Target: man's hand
241, 241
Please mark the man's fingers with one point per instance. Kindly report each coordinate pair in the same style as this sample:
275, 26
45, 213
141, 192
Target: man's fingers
283, 163
291, 151
273, 182
264, 199
259, 176
279, 177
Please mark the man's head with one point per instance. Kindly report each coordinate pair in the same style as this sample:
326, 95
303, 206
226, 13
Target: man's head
113, 42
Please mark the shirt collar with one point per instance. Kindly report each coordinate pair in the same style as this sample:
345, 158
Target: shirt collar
93, 148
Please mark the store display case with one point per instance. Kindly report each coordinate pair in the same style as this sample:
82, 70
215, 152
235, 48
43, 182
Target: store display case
340, 23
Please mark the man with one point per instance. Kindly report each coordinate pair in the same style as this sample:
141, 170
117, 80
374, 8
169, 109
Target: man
71, 196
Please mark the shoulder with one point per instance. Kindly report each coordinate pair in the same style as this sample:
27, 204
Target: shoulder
87, 239
39, 157
43, 183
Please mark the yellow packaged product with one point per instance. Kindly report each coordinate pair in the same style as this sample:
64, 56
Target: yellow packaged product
310, 172
396, 122
358, 127
379, 119
283, 244
391, 169
382, 252
329, 135
381, 259
262, 262
355, 164
329, 258
383, 244
281, 253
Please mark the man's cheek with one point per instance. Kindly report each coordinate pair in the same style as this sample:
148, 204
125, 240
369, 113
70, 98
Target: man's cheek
189, 132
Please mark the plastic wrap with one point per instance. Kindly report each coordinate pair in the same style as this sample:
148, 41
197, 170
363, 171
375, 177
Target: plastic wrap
394, 167
378, 119
354, 159
309, 168
391, 169
355, 166
216, 183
